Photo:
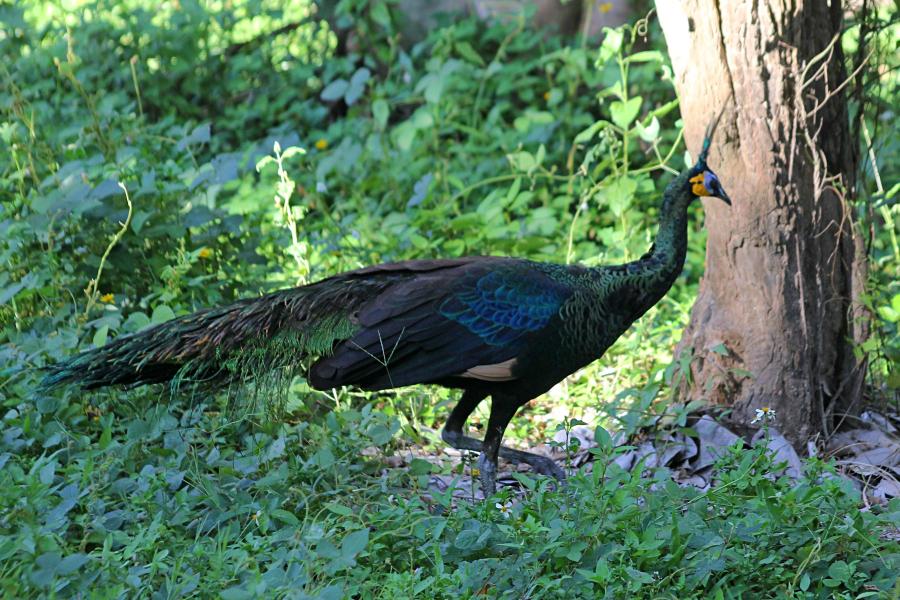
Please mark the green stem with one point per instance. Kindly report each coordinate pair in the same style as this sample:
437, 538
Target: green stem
93, 287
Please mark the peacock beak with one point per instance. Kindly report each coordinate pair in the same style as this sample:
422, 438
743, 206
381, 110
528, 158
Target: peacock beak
721, 195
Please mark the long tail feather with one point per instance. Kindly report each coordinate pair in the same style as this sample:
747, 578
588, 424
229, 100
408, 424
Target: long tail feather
215, 346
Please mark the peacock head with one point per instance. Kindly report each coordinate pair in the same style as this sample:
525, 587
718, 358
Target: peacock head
702, 180
706, 183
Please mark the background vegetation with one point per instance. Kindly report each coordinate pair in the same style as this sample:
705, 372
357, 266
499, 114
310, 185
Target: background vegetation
162, 158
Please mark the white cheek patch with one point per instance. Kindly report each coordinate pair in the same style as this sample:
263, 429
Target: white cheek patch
501, 371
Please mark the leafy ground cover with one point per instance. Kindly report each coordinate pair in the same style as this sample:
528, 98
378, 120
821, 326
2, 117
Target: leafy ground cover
159, 159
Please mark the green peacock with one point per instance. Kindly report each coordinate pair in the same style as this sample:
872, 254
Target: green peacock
502, 327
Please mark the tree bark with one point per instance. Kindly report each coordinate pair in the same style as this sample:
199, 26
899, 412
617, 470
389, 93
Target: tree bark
784, 266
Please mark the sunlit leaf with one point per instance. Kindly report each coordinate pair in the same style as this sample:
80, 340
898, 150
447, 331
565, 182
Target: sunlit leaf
623, 113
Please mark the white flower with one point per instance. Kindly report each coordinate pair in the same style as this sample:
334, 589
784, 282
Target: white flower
505, 509
763, 414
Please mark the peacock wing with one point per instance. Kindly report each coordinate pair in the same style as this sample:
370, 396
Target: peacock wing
469, 321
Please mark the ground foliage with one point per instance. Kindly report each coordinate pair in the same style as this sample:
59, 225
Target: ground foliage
158, 159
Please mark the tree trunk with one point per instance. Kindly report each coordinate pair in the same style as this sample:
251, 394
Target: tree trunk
784, 266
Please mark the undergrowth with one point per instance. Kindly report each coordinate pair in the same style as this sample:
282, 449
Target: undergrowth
482, 139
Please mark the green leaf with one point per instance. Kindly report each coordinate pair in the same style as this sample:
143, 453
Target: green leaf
72, 563
200, 135
420, 467
574, 551
161, 314
434, 88
466, 222
379, 433
292, 151
236, 593
140, 218
339, 509
380, 14
719, 349
602, 438
354, 543
804, 582
620, 193
840, 571
466, 50
612, 44
324, 458
466, 539
263, 162
526, 481
649, 133
289, 518
10, 291
419, 241
135, 322
531, 118
357, 85
380, 112
645, 56
106, 434
100, 336
522, 161
335, 90
404, 134
47, 472
586, 134
422, 119
513, 191
623, 113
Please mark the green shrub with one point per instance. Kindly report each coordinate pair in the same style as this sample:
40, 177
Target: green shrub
481, 139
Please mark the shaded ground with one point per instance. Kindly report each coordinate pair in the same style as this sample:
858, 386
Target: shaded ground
868, 456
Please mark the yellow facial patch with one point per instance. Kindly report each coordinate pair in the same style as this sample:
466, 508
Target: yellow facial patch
697, 185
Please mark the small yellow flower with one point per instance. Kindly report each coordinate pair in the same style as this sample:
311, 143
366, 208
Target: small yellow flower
606, 7
204, 253
321, 144
546, 96
108, 298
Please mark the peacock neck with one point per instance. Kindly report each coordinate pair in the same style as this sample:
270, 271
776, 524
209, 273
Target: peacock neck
670, 246
654, 273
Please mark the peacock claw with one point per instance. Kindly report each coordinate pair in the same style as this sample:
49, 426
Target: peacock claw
541, 464
548, 467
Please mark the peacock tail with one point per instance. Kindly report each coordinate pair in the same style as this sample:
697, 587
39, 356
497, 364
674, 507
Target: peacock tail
215, 347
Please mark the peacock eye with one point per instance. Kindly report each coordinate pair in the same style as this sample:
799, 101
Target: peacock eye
710, 180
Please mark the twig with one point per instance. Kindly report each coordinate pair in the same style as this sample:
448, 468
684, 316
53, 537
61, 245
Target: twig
137, 88
93, 287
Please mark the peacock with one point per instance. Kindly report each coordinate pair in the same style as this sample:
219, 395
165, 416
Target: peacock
503, 327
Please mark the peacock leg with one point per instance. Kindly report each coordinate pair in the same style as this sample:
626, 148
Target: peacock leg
452, 432
502, 411
453, 435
